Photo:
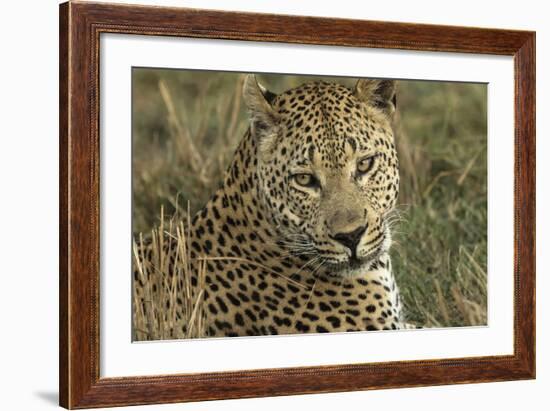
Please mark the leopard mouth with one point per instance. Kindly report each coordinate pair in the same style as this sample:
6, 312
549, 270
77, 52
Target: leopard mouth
355, 264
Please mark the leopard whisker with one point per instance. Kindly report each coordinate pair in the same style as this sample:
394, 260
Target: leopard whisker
310, 261
314, 274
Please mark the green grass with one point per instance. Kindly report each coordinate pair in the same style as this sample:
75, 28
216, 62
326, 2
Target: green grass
186, 126
440, 255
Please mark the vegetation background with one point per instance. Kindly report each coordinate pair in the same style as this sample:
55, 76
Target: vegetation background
186, 125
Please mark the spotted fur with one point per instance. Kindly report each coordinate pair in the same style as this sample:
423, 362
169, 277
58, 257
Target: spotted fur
298, 235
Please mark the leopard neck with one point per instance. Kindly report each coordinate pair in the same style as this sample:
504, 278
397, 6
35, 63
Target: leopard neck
237, 218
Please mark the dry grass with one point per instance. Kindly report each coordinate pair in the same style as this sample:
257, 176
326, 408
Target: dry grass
157, 317
187, 125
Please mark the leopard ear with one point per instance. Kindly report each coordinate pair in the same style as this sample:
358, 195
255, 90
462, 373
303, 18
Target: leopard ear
377, 93
258, 101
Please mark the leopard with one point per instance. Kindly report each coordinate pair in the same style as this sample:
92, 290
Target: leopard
297, 237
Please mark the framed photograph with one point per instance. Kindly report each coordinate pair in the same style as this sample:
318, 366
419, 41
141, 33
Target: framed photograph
259, 205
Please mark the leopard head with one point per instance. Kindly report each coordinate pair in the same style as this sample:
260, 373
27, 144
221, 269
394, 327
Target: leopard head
327, 169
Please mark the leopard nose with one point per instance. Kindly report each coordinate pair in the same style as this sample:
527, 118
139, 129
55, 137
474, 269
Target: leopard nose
351, 239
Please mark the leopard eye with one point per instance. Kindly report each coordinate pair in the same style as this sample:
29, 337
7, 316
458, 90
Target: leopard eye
305, 180
365, 164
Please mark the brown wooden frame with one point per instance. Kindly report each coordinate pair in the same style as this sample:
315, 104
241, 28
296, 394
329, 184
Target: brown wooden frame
80, 27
